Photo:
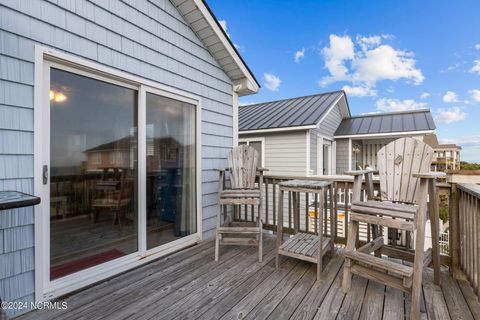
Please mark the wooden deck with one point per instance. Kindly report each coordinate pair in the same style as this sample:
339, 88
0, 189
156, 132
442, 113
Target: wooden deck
190, 285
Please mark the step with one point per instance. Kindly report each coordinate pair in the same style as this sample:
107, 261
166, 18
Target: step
387, 265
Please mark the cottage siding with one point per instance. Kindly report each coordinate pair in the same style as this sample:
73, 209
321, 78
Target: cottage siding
342, 155
331, 122
285, 153
149, 39
325, 129
314, 152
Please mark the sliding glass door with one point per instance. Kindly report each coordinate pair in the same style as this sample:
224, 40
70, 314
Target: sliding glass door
171, 172
93, 172
119, 175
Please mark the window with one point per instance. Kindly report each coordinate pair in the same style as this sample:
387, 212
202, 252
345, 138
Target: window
256, 144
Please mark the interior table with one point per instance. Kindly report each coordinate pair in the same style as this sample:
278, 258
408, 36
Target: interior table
307, 246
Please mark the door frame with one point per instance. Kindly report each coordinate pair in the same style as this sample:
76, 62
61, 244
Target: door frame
44, 59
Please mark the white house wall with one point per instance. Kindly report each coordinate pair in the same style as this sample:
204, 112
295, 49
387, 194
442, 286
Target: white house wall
285, 152
149, 39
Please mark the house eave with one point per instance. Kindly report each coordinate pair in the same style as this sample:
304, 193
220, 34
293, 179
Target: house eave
207, 28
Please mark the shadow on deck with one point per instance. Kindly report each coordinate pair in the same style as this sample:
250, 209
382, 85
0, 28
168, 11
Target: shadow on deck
190, 285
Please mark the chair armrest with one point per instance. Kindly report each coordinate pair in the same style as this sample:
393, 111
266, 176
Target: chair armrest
262, 169
429, 175
222, 169
357, 172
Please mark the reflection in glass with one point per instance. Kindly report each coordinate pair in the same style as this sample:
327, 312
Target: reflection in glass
93, 165
170, 134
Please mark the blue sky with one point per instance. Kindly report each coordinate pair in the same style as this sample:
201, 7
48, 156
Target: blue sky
388, 55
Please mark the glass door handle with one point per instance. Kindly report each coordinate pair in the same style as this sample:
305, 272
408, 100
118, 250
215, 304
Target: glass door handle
45, 174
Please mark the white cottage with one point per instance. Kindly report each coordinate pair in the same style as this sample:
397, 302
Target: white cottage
115, 113
317, 135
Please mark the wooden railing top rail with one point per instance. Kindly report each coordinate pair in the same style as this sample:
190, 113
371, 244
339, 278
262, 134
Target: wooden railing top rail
471, 188
335, 178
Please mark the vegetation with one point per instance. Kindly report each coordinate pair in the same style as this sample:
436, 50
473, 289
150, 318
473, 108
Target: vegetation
469, 166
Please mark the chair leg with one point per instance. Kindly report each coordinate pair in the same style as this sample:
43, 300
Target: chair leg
260, 241
351, 240
419, 253
218, 235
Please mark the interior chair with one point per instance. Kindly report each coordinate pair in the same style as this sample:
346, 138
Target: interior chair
405, 180
242, 169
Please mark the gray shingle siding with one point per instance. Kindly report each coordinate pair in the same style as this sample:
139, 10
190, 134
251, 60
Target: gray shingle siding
342, 155
149, 39
331, 122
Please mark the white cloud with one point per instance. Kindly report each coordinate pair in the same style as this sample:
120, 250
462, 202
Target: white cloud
298, 55
476, 67
390, 105
340, 49
450, 97
369, 62
223, 24
359, 91
450, 115
245, 103
477, 46
475, 94
425, 95
272, 82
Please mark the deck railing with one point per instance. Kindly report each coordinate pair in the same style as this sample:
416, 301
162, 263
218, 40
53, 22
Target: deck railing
469, 233
459, 206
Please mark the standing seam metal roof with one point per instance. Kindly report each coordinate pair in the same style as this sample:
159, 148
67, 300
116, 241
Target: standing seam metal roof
413, 120
300, 111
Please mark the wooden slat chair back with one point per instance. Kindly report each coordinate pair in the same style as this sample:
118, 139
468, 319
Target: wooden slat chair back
397, 163
405, 182
243, 168
242, 163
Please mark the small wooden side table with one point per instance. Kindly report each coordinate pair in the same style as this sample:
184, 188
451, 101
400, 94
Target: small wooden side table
302, 245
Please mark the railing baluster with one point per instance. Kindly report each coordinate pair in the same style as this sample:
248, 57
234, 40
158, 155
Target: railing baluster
306, 212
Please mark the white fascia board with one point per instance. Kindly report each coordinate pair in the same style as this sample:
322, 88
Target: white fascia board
272, 130
388, 134
231, 51
330, 109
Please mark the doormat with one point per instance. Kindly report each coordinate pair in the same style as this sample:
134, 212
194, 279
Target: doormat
84, 263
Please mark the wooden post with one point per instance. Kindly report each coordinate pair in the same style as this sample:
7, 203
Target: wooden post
280, 225
434, 220
454, 233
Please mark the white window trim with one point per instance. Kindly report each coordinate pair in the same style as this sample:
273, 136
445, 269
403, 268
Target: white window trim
260, 139
44, 58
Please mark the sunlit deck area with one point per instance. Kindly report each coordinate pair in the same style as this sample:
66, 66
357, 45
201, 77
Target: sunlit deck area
191, 285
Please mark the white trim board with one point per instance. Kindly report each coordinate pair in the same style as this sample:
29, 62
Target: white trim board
387, 134
273, 130
44, 59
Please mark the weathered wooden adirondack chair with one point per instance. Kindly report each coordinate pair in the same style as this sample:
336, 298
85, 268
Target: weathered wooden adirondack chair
405, 180
243, 168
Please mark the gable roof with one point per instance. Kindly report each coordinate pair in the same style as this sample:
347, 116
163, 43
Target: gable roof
206, 26
293, 113
404, 122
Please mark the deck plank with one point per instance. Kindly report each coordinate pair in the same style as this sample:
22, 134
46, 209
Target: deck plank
434, 301
472, 300
352, 304
191, 285
308, 307
280, 291
372, 307
457, 306
245, 305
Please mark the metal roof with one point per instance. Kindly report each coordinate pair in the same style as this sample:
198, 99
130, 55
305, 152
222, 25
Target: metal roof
405, 121
294, 112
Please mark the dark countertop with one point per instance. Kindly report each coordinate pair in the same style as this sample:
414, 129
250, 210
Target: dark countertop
16, 199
